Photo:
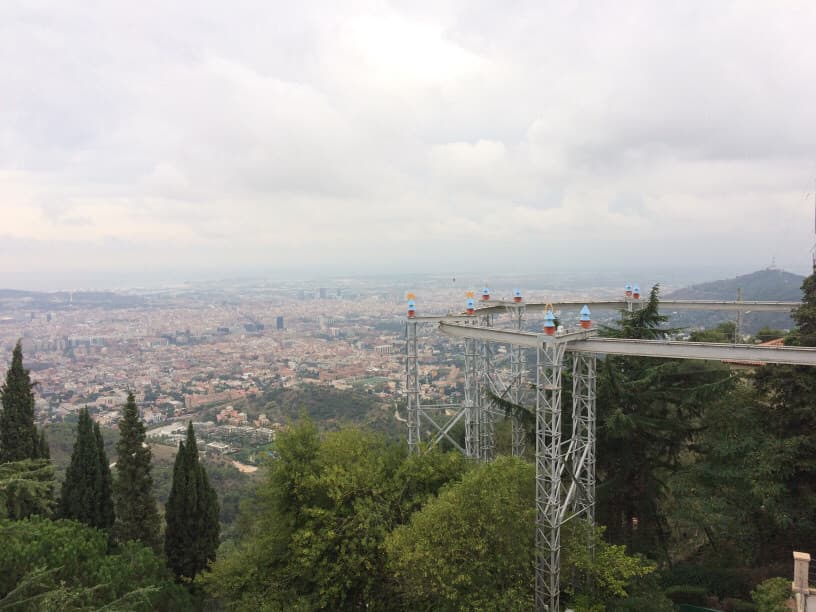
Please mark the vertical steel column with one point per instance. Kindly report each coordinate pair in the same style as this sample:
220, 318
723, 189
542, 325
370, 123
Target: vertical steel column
412, 385
517, 382
583, 434
486, 405
549, 468
472, 392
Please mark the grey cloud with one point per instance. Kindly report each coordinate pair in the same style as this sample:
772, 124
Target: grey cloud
270, 131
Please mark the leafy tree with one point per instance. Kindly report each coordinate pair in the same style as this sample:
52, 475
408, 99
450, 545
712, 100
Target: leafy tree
648, 413
314, 536
723, 333
191, 538
49, 565
772, 595
26, 488
137, 516
18, 434
86, 490
472, 548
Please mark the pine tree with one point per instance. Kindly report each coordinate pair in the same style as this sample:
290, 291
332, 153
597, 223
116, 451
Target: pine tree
137, 517
787, 480
18, 434
86, 490
191, 538
648, 412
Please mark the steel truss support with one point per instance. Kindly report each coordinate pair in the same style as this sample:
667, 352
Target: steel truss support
487, 381
582, 445
412, 386
517, 389
549, 469
472, 403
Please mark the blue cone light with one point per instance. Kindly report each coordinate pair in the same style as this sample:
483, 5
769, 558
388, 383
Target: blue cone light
471, 306
517, 296
628, 290
586, 320
636, 292
485, 294
549, 323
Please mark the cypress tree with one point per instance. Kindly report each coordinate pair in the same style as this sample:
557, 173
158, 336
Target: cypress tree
44, 451
137, 517
18, 434
106, 515
85, 494
191, 538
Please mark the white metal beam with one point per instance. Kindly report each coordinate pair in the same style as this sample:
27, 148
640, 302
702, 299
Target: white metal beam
500, 307
584, 343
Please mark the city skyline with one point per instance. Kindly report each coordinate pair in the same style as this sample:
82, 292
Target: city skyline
199, 141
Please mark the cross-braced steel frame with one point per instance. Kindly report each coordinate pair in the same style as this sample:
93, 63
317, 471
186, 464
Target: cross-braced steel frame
565, 468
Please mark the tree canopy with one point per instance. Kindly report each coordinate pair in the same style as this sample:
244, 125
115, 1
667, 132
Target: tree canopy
137, 516
191, 537
86, 490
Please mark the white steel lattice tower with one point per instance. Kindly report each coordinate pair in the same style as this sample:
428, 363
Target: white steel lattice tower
412, 386
518, 381
472, 402
549, 470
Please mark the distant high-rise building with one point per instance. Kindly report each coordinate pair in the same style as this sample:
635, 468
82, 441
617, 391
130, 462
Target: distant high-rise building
323, 292
279, 323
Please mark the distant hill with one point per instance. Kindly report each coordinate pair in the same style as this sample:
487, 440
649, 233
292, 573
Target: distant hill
769, 284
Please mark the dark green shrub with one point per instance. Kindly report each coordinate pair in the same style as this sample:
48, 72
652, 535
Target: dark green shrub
687, 594
731, 604
772, 595
720, 581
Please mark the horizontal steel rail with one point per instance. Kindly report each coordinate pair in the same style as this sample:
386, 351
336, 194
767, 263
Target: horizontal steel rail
586, 342
500, 307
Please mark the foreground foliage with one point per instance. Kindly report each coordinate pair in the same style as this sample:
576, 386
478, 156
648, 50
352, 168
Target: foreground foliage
314, 537
49, 565
26, 488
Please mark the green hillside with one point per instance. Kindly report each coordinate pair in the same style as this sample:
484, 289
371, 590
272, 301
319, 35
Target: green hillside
770, 284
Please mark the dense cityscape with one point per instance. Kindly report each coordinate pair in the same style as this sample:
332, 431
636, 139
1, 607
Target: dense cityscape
196, 352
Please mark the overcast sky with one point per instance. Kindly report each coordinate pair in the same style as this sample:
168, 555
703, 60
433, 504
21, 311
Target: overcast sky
210, 136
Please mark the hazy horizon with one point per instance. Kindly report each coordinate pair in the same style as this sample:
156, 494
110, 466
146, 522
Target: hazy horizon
565, 279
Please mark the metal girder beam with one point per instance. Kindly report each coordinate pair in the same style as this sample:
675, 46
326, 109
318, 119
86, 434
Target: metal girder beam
696, 350
584, 342
500, 307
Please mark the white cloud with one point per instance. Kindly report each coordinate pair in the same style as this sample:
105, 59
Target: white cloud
406, 135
